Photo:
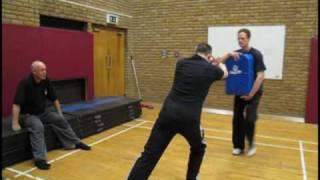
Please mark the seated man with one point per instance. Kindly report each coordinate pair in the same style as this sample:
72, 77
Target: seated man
29, 103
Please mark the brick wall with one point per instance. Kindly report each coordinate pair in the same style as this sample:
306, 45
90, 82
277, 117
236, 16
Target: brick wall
28, 11
180, 25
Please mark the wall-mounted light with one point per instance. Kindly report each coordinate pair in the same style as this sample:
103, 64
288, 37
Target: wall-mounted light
112, 19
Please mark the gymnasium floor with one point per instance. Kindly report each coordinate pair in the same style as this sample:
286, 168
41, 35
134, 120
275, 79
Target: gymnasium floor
285, 150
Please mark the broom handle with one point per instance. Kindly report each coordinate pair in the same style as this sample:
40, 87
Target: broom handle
135, 77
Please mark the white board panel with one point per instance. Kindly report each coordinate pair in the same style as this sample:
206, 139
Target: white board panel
270, 40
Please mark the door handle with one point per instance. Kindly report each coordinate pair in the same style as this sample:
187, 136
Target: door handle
108, 62
111, 61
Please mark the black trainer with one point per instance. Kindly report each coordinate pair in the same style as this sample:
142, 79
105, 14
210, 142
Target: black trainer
83, 146
42, 164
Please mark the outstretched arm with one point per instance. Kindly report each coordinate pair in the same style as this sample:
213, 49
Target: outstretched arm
235, 55
224, 69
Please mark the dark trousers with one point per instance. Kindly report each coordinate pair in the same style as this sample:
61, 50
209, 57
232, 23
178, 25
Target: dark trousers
244, 120
35, 126
164, 129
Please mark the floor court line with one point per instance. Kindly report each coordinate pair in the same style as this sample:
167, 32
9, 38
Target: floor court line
303, 163
20, 172
262, 136
228, 139
75, 151
301, 149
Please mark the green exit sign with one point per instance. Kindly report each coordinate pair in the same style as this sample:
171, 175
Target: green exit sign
112, 19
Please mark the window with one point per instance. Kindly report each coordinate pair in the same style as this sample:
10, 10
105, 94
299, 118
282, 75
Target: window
55, 22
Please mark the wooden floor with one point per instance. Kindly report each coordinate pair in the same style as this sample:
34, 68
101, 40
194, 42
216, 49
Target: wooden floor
285, 150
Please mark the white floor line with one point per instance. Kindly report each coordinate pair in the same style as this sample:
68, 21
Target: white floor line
228, 139
257, 135
20, 172
263, 136
115, 134
263, 116
262, 144
75, 151
303, 163
229, 112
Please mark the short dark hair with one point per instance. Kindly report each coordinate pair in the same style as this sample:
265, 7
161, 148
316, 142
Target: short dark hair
204, 48
245, 30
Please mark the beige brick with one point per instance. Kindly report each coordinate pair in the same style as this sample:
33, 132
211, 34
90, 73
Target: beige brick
180, 25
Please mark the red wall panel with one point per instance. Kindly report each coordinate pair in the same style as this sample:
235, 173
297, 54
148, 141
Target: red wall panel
312, 98
68, 54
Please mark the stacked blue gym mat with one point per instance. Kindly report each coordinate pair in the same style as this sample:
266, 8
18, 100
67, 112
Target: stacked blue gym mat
100, 114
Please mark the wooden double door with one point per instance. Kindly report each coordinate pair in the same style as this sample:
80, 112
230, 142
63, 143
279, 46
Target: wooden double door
109, 53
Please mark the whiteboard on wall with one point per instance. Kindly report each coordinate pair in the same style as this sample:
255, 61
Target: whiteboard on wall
269, 40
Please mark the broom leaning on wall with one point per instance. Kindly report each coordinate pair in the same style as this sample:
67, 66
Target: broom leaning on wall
143, 105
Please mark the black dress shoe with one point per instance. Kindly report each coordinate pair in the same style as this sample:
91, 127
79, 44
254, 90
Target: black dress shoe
83, 146
42, 164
